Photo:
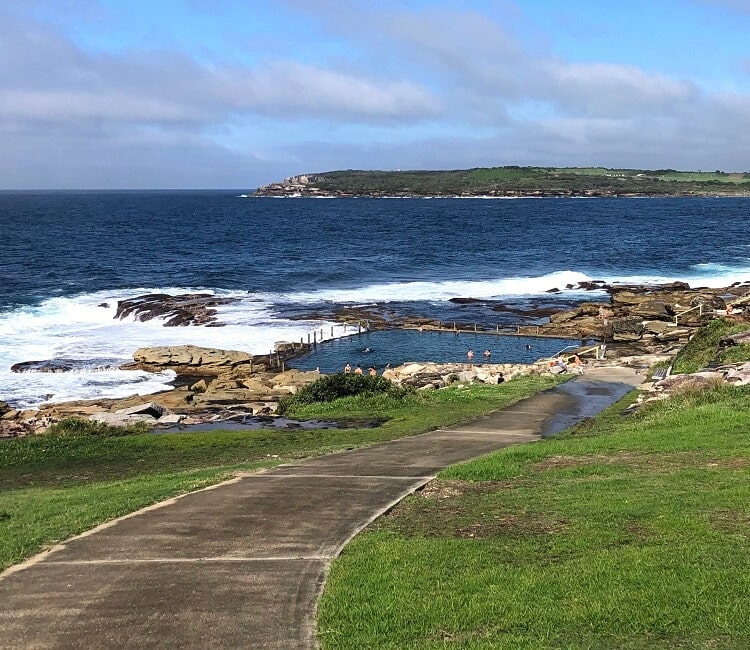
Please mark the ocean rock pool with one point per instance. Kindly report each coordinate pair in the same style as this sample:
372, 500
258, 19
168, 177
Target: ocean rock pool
395, 347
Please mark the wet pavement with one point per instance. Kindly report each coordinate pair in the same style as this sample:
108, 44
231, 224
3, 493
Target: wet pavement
242, 564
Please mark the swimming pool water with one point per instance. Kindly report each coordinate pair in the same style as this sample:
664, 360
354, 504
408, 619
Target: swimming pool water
376, 349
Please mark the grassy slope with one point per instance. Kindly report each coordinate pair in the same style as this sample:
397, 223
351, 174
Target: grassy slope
54, 487
629, 532
703, 347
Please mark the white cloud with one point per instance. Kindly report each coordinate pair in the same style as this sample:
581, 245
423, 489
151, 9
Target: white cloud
393, 75
604, 89
289, 88
45, 77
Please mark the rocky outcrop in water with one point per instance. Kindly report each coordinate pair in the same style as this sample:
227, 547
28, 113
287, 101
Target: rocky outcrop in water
189, 360
66, 365
185, 309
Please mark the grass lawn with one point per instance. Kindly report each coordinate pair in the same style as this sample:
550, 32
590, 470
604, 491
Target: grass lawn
53, 487
628, 532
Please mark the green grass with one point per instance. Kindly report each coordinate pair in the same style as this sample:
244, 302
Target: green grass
687, 177
626, 532
703, 347
735, 354
55, 486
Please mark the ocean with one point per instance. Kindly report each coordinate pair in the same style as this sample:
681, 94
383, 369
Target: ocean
66, 258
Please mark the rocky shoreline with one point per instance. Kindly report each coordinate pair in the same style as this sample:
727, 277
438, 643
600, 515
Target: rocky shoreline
638, 326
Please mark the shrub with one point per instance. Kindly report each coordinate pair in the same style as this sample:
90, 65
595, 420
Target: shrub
336, 386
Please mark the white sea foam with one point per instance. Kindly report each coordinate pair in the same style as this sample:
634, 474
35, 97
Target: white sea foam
707, 274
701, 275
445, 290
82, 328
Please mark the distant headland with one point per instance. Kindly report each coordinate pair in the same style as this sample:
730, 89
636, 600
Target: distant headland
511, 182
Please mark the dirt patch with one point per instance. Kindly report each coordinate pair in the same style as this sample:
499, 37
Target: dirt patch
465, 509
731, 522
729, 463
572, 462
511, 526
442, 490
637, 530
634, 460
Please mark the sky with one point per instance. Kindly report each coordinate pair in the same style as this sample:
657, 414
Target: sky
234, 94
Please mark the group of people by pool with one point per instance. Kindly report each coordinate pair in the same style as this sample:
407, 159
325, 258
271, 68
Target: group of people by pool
358, 370
563, 362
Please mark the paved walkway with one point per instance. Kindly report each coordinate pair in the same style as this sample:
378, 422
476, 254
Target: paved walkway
242, 564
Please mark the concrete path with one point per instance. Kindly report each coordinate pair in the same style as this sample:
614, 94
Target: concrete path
242, 564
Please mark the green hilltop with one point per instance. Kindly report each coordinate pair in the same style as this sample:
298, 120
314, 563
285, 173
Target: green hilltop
510, 181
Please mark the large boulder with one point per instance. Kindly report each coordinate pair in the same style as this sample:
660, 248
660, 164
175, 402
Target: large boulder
122, 419
738, 375
564, 316
674, 334
292, 380
228, 397
189, 360
629, 328
694, 380
656, 309
656, 327
178, 399
742, 338
149, 408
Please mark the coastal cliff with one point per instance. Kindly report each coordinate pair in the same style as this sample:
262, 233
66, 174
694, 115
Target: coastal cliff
510, 182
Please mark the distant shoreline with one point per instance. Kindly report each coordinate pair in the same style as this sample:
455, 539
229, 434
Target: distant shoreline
510, 182
739, 195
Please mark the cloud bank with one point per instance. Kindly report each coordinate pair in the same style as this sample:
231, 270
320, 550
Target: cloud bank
393, 86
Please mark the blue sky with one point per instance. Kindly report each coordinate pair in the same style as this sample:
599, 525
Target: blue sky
230, 93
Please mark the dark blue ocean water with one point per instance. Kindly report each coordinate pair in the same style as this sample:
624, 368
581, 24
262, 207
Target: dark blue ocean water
66, 243
66, 258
